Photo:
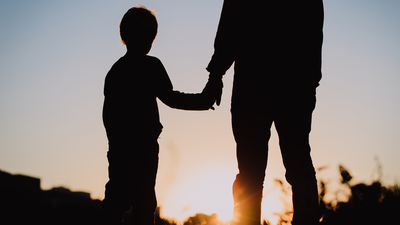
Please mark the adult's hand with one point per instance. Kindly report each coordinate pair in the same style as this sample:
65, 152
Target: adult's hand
216, 81
212, 92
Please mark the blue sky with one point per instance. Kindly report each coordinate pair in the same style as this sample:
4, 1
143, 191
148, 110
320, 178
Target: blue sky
54, 56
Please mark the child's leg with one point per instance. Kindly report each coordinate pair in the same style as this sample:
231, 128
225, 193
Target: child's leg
144, 171
132, 173
118, 191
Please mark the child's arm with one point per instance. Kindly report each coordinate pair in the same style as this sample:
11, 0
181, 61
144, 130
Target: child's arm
199, 101
186, 101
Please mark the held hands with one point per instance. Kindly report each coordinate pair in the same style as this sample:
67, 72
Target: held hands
212, 92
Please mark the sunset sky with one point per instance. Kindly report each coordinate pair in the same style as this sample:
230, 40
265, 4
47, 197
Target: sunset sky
54, 56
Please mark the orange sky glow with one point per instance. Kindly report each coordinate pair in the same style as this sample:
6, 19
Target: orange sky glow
54, 56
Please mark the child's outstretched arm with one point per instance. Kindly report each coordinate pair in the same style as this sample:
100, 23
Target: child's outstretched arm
179, 100
199, 101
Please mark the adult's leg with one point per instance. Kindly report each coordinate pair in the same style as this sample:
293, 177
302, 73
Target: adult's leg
251, 131
293, 124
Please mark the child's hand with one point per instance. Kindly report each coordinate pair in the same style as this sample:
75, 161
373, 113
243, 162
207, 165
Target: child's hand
213, 90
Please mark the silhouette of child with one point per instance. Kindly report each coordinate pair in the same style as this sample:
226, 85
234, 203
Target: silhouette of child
131, 119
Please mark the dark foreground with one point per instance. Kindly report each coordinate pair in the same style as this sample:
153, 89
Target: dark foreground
23, 202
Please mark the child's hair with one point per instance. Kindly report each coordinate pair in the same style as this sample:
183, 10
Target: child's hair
138, 24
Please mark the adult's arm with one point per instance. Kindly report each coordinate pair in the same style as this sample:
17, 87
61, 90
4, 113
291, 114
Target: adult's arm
225, 44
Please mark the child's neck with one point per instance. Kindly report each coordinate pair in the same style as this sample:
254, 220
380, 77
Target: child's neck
134, 53
137, 50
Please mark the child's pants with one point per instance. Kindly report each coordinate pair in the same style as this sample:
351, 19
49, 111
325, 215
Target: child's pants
132, 172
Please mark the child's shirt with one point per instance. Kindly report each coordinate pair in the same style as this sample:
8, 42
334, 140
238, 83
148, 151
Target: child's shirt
131, 88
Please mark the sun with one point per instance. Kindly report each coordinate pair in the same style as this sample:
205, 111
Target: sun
275, 201
210, 192
207, 192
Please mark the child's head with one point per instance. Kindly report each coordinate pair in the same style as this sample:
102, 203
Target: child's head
138, 29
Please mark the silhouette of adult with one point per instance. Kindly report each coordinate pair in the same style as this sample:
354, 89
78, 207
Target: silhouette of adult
276, 47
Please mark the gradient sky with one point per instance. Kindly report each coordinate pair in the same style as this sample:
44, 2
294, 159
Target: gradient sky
54, 56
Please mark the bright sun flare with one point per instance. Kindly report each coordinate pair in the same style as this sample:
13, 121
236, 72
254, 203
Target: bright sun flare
212, 193
207, 193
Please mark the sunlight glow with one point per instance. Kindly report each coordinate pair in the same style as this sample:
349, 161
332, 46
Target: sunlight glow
205, 193
210, 192
276, 199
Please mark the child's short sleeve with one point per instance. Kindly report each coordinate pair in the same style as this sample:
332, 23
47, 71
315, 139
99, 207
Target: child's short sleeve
162, 82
